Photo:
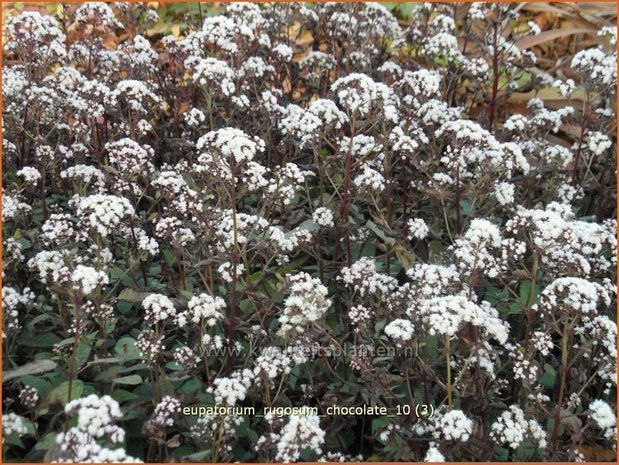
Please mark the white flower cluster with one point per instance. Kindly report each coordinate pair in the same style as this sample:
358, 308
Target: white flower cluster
360, 315
274, 361
605, 418
308, 125
215, 73
434, 455
40, 34
103, 213
323, 217
160, 308
230, 390
13, 423
361, 95
446, 315
95, 421
429, 281
165, 410
51, 266
512, 428
566, 246
12, 300
205, 308
417, 229
369, 180
97, 13
12, 207
129, 156
186, 358
575, 296
194, 117
504, 193
136, 94
87, 279
598, 143
30, 174
597, 65
400, 330
231, 144
85, 175
364, 279
307, 303
453, 426
301, 432
478, 251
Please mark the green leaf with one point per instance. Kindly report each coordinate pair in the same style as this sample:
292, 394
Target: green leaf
379, 423
60, 394
48, 442
549, 377
40, 366
132, 380
133, 296
121, 395
38, 382
125, 348
525, 290
41, 340
191, 385
169, 257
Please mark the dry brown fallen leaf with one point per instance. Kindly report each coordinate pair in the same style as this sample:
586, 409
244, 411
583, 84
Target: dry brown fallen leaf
548, 36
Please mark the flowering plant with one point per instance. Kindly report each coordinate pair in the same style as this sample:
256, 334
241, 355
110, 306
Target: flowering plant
297, 206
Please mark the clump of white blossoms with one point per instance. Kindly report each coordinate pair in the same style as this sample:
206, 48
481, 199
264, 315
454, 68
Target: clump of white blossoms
434, 455
478, 251
163, 416
205, 308
30, 174
433, 280
96, 418
417, 229
300, 432
104, 213
446, 315
13, 424
574, 295
453, 426
160, 308
230, 390
323, 217
274, 361
129, 156
364, 279
307, 303
230, 144
512, 428
86, 279
216, 73
504, 193
359, 94
605, 418
400, 330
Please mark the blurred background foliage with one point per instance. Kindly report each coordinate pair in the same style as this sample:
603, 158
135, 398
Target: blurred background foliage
566, 29
174, 18
556, 19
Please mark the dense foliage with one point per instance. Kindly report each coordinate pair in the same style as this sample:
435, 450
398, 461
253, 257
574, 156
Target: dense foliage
306, 205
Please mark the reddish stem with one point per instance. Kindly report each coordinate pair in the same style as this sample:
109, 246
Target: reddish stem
495, 77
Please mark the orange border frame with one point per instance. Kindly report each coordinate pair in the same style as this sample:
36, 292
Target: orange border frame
324, 1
